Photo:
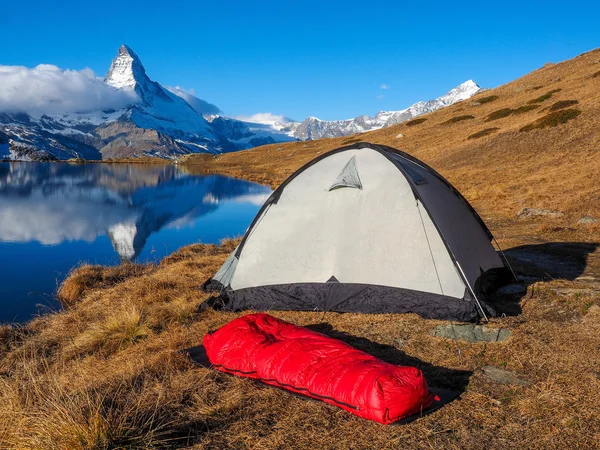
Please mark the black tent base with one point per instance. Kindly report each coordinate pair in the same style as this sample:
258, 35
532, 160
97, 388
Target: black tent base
442, 396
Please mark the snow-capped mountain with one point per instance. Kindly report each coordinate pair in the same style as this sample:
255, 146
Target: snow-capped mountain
169, 122
156, 123
201, 106
314, 128
252, 134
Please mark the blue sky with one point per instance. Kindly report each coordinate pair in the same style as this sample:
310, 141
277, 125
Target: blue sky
327, 59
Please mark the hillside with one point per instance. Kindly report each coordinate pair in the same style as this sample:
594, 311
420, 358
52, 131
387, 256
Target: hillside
107, 372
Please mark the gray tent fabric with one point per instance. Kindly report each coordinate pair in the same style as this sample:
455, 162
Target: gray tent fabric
402, 240
348, 177
225, 273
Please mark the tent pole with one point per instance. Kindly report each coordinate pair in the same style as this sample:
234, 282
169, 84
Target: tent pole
506, 259
472, 291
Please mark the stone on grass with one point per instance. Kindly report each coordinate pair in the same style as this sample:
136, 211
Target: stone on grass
535, 212
502, 376
585, 278
592, 316
471, 333
587, 219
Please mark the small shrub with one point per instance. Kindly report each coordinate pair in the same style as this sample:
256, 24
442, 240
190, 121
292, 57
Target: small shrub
113, 333
596, 75
483, 133
414, 122
525, 108
543, 98
553, 119
500, 114
563, 104
488, 99
458, 119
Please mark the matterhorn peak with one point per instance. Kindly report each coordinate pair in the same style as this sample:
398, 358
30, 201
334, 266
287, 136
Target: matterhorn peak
126, 70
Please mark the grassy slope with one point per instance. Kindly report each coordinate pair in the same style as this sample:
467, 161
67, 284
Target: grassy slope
107, 372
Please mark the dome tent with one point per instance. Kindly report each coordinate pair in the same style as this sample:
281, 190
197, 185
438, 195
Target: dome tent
364, 228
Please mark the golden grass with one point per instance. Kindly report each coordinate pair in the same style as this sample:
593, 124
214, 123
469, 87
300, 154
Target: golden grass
112, 333
88, 277
107, 372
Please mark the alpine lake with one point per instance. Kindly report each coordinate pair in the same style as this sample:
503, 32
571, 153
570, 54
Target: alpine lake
57, 216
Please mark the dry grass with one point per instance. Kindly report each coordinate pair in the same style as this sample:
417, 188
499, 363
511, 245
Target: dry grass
88, 277
108, 373
112, 333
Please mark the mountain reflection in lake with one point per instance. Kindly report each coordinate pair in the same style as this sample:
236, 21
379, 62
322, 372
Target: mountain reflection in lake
55, 216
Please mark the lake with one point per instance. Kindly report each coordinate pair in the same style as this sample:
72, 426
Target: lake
55, 216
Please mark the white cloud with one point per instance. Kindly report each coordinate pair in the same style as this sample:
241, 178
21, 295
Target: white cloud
50, 89
384, 86
189, 95
266, 118
178, 88
380, 96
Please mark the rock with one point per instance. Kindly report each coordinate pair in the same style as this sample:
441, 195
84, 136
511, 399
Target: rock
399, 136
585, 278
592, 317
587, 220
475, 103
534, 212
549, 64
471, 333
502, 376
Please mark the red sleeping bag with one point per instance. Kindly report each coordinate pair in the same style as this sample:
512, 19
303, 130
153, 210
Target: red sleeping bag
303, 361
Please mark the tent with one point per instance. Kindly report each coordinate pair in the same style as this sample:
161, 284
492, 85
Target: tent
364, 228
